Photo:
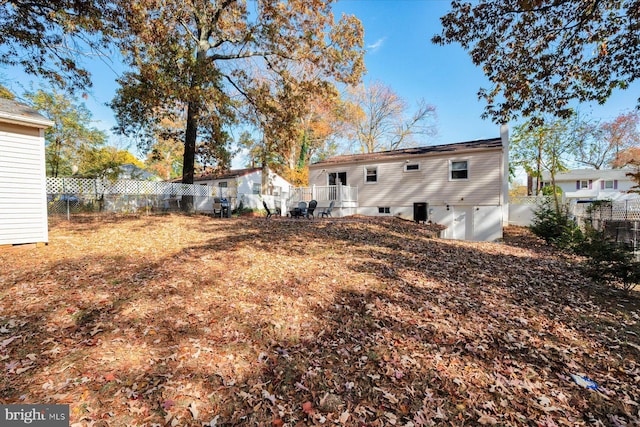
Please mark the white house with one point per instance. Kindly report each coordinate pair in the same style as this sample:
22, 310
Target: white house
593, 184
463, 186
23, 187
244, 186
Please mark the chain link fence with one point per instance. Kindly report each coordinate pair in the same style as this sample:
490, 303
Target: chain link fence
67, 196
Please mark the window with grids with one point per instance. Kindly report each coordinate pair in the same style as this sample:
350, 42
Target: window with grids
459, 170
371, 174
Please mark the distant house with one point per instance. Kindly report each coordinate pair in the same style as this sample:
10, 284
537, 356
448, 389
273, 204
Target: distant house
463, 186
593, 184
23, 186
244, 186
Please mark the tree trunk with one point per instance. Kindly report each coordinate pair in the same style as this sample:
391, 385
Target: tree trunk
188, 165
265, 166
539, 168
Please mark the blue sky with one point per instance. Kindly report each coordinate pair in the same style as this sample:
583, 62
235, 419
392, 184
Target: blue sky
400, 55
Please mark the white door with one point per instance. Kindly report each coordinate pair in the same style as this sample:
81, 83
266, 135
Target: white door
459, 223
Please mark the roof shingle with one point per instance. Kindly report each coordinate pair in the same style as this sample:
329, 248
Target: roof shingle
415, 151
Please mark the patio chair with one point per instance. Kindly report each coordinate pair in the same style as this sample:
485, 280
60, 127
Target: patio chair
266, 208
327, 211
298, 211
220, 207
311, 208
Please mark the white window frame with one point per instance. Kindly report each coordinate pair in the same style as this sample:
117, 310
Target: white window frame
584, 184
256, 188
223, 184
384, 210
406, 165
366, 174
451, 170
608, 182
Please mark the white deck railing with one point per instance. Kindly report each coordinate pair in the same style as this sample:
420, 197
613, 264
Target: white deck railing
336, 193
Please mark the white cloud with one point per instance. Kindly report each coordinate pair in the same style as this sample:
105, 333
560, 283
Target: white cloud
376, 46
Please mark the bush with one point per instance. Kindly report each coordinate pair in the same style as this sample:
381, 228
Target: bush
608, 262
556, 226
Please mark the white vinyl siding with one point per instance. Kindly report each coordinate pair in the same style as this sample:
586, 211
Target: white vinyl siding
23, 204
429, 184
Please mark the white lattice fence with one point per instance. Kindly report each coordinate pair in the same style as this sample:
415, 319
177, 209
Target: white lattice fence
85, 187
74, 186
624, 210
80, 194
627, 210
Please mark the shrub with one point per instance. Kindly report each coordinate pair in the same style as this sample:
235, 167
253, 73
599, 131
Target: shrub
608, 262
556, 226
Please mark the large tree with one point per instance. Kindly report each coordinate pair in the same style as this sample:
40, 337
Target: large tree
379, 119
539, 55
544, 147
293, 129
47, 38
205, 54
166, 154
71, 137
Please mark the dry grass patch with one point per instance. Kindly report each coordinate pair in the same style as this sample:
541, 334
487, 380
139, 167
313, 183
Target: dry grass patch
178, 320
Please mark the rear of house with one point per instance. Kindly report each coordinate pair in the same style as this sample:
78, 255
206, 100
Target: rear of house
23, 196
462, 186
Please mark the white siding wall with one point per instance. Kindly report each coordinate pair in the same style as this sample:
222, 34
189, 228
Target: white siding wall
431, 184
474, 212
23, 198
624, 185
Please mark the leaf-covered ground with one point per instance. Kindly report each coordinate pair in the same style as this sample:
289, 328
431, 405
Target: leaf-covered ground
185, 321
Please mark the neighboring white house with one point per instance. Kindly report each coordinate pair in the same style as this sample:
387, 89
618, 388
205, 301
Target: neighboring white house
244, 186
23, 187
463, 186
593, 184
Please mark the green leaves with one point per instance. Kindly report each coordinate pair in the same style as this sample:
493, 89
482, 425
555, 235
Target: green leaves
72, 137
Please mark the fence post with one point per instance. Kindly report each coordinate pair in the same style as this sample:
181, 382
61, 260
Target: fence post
64, 191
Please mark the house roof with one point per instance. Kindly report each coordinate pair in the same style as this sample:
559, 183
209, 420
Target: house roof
593, 174
492, 143
19, 113
230, 174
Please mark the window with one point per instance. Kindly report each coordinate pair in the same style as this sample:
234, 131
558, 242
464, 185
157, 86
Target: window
222, 184
584, 184
459, 169
371, 174
257, 188
411, 167
384, 210
337, 178
608, 185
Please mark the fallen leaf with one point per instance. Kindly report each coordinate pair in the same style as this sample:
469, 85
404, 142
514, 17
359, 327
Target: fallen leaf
194, 411
487, 420
307, 408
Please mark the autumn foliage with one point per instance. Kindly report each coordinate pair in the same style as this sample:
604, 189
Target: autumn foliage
182, 321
